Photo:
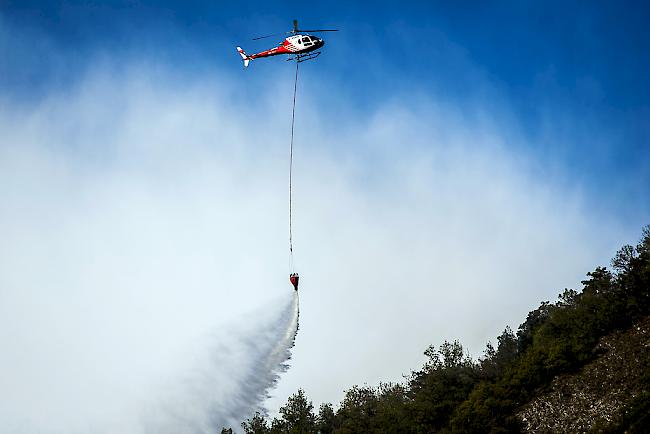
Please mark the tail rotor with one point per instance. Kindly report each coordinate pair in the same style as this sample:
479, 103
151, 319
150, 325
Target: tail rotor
244, 56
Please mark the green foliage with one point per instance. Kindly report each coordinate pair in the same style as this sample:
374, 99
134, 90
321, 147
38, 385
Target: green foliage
326, 419
494, 362
533, 321
452, 393
255, 425
357, 410
445, 381
297, 416
392, 411
560, 338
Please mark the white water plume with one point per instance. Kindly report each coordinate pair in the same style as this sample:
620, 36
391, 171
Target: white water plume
208, 400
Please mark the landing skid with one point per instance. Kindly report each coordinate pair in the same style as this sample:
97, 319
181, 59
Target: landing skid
304, 57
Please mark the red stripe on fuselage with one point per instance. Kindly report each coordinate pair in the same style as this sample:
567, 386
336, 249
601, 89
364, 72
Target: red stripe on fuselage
282, 49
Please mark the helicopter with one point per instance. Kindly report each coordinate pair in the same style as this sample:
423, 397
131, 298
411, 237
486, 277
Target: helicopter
299, 47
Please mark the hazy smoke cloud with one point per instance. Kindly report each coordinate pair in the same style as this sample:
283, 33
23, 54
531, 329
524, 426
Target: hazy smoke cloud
144, 214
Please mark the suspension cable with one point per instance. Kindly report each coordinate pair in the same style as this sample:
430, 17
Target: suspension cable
293, 118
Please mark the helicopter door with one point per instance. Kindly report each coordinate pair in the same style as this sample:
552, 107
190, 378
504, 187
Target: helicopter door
306, 41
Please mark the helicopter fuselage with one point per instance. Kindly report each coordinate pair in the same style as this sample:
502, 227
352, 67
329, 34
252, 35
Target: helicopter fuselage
295, 44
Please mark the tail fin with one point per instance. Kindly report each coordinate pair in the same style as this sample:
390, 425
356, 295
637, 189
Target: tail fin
244, 56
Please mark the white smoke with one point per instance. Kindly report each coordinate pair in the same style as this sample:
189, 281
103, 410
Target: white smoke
131, 230
142, 215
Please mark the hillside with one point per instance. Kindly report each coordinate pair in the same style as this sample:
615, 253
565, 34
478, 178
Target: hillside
576, 365
601, 393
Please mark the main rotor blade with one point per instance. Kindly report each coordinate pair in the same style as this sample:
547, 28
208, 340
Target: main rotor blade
295, 26
268, 36
318, 30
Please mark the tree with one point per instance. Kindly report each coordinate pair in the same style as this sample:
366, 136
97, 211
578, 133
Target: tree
634, 280
358, 410
495, 362
255, 425
568, 298
450, 355
643, 247
326, 419
534, 319
297, 415
446, 380
600, 282
623, 259
392, 412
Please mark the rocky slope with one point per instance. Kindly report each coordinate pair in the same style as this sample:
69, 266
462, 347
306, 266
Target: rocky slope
601, 392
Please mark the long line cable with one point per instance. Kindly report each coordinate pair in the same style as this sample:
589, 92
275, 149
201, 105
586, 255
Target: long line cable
293, 118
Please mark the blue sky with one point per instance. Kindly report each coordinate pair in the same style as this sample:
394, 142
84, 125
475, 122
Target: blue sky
455, 165
572, 76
